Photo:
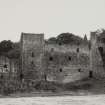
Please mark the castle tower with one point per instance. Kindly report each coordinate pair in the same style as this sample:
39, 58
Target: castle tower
32, 46
96, 57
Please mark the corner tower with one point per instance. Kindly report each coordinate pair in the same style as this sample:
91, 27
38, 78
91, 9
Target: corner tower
97, 54
32, 46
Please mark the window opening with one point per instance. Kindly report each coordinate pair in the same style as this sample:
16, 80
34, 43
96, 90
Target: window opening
51, 58
101, 50
79, 70
60, 70
69, 58
77, 50
90, 74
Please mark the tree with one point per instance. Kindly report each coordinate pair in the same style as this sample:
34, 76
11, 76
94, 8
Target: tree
15, 52
52, 40
68, 38
10, 49
5, 47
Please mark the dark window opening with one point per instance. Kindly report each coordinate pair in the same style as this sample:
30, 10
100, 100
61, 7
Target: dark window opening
51, 58
69, 58
79, 70
60, 70
5, 66
90, 74
77, 50
60, 43
100, 50
21, 76
32, 54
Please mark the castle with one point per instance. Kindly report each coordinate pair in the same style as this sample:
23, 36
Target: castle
55, 62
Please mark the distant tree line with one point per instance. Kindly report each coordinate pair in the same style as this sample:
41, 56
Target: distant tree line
9, 49
65, 38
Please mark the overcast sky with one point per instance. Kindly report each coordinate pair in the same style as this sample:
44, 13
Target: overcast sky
50, 17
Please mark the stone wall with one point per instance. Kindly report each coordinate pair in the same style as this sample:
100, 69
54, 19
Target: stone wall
83, 48
31, 55
65, 63
96, 59
8, 67
60, 63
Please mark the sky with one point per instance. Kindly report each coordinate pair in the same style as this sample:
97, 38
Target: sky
51, 17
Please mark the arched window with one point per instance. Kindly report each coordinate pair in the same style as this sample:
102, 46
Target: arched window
90, 74
21, 76
5, 66
60, 43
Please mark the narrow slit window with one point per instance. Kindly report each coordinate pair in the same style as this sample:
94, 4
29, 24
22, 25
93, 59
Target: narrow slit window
60, 43
5, 66
60, 70
79, 70
69, 58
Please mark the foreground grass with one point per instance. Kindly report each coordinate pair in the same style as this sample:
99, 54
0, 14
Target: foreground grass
85, 86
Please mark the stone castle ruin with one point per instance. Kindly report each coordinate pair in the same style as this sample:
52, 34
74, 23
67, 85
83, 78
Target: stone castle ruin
59, 63
53, 62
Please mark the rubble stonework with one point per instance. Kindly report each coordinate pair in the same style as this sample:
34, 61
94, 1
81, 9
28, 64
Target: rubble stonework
60, 63
31, 55
97, 54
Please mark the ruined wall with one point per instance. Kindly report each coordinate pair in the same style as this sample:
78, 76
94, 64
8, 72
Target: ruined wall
60, 63
31, 55
8, 67
66, 63
96, 59
68, 48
